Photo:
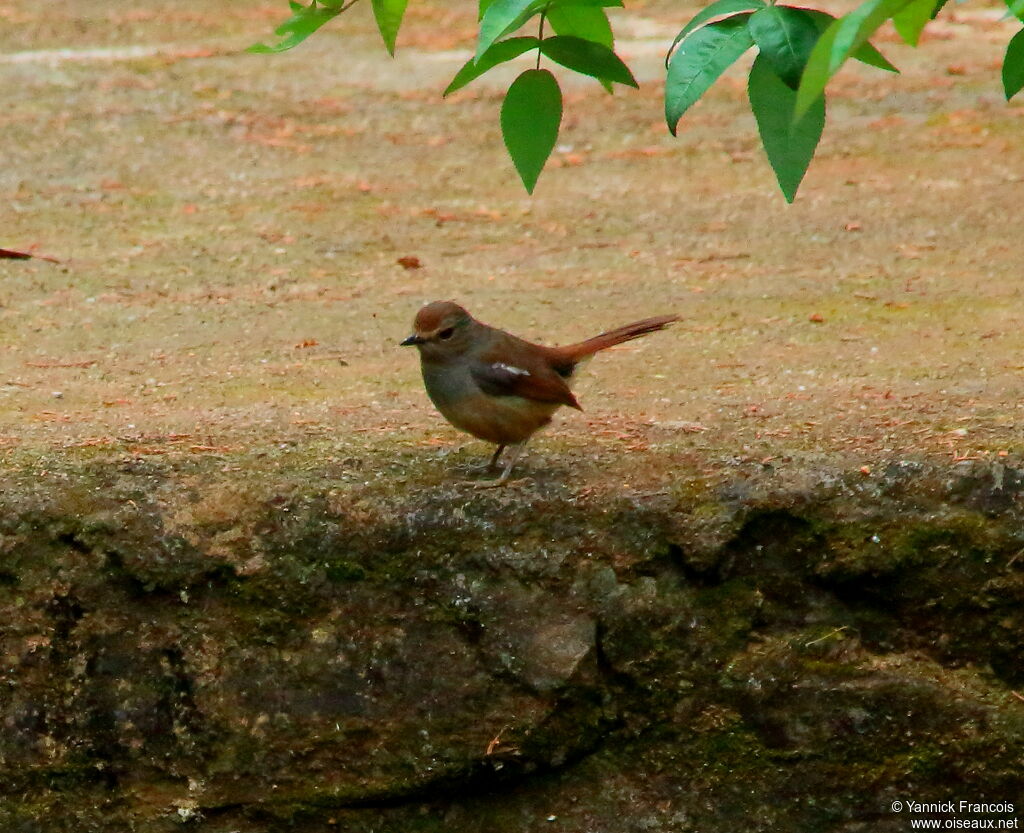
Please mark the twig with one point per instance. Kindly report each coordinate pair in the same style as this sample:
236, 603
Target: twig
826, 636
10, 254
86, 363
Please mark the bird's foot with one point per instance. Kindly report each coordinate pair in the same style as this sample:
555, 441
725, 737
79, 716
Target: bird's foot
492, 466
501, 481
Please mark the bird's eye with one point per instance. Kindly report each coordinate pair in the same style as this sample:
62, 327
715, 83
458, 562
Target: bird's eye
446, 333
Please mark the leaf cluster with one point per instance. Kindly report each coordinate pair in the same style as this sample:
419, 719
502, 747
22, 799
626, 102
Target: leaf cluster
798, 51
531, 113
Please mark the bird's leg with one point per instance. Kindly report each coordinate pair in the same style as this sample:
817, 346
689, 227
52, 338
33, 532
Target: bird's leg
517, 449
493, 465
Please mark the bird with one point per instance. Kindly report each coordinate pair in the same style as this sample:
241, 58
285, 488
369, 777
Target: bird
496, 386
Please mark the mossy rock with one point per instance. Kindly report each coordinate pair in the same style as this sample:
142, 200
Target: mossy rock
189, 653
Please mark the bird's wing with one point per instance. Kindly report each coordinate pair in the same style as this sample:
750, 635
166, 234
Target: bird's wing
527, 374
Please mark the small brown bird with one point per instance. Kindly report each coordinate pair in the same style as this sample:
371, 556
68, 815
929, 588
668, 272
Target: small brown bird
496, 386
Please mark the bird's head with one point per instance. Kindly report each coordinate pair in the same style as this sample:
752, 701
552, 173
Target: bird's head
440, 328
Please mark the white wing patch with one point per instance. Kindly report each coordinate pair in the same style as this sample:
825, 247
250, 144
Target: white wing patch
515, 371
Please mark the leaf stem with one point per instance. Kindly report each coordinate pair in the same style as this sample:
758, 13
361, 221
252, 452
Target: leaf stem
540, 32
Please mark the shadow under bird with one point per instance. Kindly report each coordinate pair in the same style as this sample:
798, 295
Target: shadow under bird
496, 386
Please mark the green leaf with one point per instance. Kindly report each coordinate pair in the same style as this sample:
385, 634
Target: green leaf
785, 36
305, 20
582, 4
597, 4
588, 58
498, 20
718, 9
502, 17
838, 42
789, 142
530, 117
388, 14
1013, 65
589, 22
698, 62
1016, 8
499, 53
911, 19
867, 54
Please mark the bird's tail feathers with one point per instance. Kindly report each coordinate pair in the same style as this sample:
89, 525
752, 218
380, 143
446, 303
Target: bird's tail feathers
585, 349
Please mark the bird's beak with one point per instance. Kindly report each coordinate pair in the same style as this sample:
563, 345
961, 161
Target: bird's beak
412, 340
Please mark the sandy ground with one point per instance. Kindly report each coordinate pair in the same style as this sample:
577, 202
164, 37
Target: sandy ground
228, 229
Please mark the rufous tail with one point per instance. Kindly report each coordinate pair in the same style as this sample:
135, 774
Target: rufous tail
577, 352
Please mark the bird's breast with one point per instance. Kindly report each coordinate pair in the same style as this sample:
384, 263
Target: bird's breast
497, 419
